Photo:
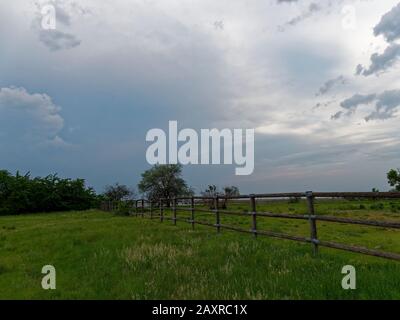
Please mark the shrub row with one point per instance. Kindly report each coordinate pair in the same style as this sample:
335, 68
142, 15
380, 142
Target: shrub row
24, 194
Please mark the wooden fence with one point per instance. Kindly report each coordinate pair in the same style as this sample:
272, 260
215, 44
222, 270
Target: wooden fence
156, 209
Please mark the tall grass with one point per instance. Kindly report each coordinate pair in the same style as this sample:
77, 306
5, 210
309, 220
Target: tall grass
98, 255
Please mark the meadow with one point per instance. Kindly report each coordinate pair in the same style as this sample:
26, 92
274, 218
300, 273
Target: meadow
102, 255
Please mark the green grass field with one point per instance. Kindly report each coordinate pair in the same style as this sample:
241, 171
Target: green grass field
100, 255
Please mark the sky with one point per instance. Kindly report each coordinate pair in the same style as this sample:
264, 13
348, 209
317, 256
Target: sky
317, 80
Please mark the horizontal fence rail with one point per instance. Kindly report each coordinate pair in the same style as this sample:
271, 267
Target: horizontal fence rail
156, 209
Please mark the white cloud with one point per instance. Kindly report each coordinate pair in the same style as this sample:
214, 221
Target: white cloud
31, 117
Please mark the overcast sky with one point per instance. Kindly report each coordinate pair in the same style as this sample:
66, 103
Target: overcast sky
321, 89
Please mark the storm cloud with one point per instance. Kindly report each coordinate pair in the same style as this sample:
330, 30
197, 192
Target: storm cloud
132, 65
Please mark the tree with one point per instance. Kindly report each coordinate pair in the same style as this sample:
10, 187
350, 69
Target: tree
118, 192
209, 194
212, 191
230, 192
394, 179
164, 181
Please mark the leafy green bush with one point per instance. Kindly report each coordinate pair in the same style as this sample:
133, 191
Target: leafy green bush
23, 194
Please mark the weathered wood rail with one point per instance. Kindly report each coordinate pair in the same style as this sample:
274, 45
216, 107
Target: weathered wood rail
145, 208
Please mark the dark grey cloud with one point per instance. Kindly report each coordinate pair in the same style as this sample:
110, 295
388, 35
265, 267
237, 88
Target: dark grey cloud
358, 99
337, 115
381, 62
386, 105
330, 84
389, 27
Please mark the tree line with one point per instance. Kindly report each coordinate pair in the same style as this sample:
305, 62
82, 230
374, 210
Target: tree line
24, 194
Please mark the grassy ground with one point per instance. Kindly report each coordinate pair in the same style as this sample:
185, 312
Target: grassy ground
99, 255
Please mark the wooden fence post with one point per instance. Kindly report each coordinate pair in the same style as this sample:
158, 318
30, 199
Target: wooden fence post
151, 210
174, 210
161, 211
192, 211
217, 216
254, 214
136, 208
313, 223
142, 208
